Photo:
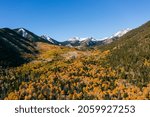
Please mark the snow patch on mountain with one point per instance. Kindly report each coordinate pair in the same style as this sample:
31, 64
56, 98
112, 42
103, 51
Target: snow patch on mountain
22, 32
121, 33
88, 38
74, 39
81, 39
116, 35
100, 39
48, 38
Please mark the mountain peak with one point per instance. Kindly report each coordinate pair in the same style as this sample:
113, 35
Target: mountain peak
74, 39
81, 39
121, 32
51, 40
23, 32
46, 37
88, 38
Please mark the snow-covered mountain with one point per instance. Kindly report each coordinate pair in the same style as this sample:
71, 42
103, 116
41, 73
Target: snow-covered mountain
22, 32
77, 41
120, 33
51, 40
30, 35
90, 41
74, 41
117, 35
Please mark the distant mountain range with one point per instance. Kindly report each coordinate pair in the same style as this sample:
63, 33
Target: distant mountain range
90, 41
75, 41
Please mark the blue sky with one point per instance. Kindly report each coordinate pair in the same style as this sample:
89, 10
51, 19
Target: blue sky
63, 19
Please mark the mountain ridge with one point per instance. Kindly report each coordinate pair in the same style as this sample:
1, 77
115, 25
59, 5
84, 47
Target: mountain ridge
75, 41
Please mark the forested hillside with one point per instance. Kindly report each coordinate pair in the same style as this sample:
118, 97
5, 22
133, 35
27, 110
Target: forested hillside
131, 53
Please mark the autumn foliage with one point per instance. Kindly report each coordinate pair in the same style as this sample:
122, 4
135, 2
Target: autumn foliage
65, 73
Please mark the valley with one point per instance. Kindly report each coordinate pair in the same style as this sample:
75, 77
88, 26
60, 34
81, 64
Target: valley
34, 68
